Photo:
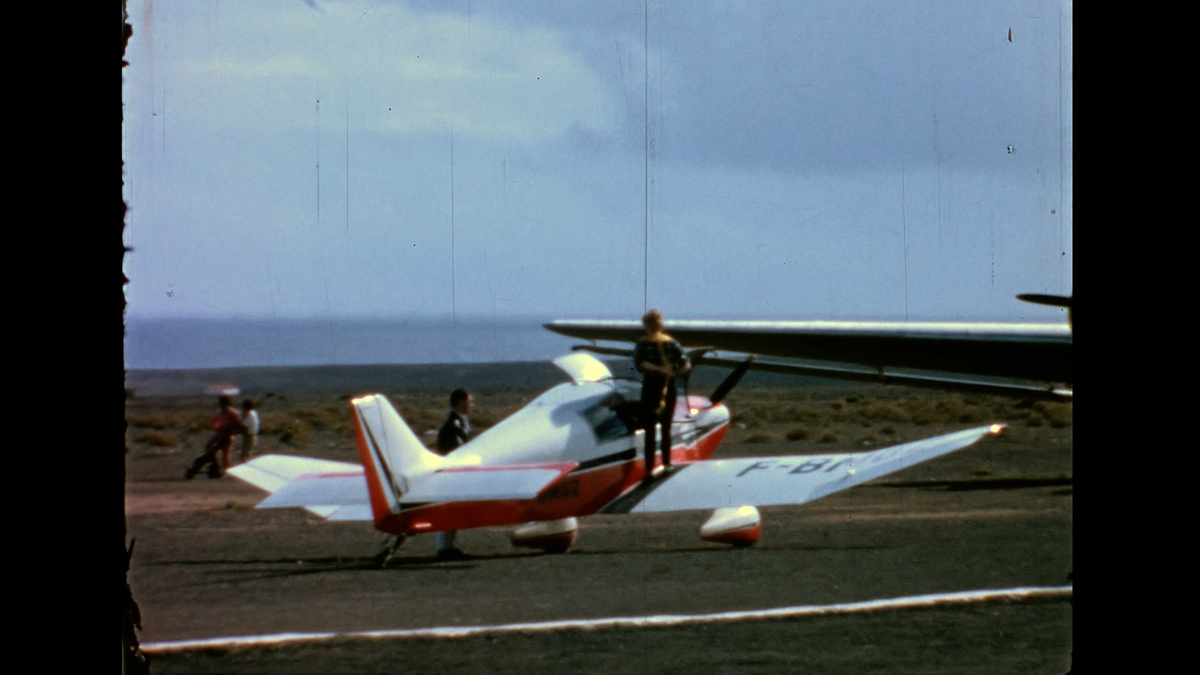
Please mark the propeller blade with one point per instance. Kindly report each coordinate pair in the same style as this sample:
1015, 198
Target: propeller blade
1043, 299
694, 357
730, 382
1053, 301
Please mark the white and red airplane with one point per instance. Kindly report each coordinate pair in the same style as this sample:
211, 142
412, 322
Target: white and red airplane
572, 452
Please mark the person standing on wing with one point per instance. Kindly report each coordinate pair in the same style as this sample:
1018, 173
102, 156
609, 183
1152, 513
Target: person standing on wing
454, 432
660, 359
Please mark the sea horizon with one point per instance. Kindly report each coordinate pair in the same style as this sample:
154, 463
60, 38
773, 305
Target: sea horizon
208, 343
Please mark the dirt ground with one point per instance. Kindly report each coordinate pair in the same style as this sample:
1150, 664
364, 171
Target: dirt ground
994, 516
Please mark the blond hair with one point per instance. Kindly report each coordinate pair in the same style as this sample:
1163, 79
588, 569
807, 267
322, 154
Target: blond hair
652, 317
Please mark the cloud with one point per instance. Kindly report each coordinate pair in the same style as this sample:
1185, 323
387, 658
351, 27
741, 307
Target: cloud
289, 65
394, 71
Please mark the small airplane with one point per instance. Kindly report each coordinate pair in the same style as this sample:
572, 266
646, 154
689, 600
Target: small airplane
1031, 360
572, 452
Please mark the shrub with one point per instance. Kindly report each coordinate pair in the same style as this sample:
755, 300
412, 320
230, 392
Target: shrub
776, 413
797, 433
1058, 414
422, 418
762, 437
335, 419
294, 432
827, 436
804, 413
950, 409
482, 418
886, 411
160, 421
749, 419
157, 438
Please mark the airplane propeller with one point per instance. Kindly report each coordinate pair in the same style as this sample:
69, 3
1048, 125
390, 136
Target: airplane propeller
1053, 301
730, 382
694, 356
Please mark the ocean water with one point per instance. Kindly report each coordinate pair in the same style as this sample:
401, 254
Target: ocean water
210, 343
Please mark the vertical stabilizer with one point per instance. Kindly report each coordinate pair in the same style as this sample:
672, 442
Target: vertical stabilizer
391, 453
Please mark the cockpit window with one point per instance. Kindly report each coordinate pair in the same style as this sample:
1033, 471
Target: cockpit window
611, 418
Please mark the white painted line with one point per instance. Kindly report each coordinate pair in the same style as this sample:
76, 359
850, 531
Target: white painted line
662, 620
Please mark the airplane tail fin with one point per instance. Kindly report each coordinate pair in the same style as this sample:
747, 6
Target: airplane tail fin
391, 453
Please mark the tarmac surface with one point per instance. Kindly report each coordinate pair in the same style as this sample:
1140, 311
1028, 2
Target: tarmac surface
997, 515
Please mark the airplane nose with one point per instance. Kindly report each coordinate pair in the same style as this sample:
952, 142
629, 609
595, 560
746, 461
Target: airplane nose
710, 415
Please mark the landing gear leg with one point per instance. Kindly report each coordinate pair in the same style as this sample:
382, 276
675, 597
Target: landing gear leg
389, 549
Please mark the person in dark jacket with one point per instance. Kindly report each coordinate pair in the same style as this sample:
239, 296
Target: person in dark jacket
456, 428
660, 359
454, 432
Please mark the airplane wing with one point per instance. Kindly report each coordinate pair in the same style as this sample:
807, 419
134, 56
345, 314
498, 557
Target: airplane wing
338, 490
768, 481
1032, 359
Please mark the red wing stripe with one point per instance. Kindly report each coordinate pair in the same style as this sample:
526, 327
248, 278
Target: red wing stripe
561, 467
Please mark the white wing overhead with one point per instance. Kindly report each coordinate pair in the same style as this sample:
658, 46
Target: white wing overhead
768, 481
1014, 359
583, 367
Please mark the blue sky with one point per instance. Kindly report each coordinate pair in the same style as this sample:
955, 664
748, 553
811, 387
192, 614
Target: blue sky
804, 160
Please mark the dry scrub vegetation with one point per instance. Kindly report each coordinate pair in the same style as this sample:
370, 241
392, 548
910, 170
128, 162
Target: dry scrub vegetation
158, 439
761, 415
767, 416
296, 422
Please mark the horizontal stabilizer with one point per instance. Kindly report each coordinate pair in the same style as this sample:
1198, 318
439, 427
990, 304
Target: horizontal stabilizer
332, 490
272, 472
320, 489
768, 481
348, 512
486, 483
338, 490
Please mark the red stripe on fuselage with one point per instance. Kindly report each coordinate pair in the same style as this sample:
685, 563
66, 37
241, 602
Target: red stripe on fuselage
581, 493
331, 474
553, 466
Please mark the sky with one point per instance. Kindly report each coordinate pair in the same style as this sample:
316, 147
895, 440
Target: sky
534, 158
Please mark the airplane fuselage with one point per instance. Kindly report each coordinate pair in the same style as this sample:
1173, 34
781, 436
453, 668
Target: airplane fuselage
574, 451
588, 426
